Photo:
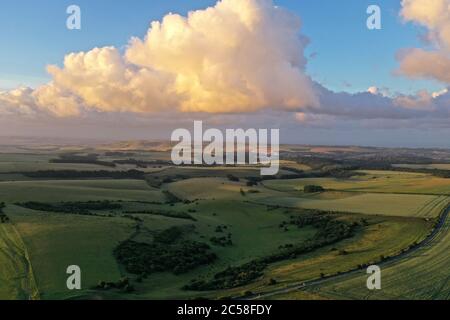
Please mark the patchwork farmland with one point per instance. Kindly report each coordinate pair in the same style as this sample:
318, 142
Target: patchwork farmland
116, 213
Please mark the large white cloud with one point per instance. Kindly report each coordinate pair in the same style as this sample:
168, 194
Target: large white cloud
241, 55
238, 56
419, 63
17, 101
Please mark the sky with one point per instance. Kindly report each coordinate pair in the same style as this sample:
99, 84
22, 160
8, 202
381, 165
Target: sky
302, 65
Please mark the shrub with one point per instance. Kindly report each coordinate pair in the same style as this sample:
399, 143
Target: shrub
313, 189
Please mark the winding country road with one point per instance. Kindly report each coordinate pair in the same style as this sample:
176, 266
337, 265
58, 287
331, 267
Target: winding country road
439, 228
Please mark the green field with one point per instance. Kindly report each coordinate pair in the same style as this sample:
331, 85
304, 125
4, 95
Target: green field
386, 236
56, 241
369, 203
440, 166
16, 274
373, 182
392, 211
421, 275
78, 190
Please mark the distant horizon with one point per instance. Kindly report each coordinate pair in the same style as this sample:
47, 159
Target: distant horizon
353, 74
76, 141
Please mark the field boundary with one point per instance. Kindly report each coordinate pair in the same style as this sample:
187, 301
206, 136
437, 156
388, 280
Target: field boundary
35, 295
21, 259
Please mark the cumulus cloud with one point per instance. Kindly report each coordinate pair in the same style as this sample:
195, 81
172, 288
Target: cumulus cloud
17, 101
419, 63
238, 56
373, 105
373, 90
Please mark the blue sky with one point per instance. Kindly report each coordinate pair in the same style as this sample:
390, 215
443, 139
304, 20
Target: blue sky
347, 56
259, 83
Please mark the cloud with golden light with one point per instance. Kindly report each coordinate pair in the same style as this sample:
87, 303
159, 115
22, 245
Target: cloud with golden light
237, 56
420, 63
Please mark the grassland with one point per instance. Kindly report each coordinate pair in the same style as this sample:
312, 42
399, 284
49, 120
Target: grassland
439, 166
372, 182
393, 210
385, 236
255, 233
368, 203
420, 275
56, 241
77, 190
16, 274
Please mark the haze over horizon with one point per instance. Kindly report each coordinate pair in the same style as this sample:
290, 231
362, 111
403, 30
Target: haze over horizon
319, 75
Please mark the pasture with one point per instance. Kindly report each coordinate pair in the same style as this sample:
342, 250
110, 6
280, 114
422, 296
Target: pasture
392, 211
372, 182
56, 241
385, 236
16, 274
420, 275
426, 206
77, 190
255, 232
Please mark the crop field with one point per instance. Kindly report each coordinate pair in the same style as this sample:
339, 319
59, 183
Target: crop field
367, 247
421, 275
373, 182
78, 190
239, 218
440, 166
370, 203
205, 188
56, 241
16, 275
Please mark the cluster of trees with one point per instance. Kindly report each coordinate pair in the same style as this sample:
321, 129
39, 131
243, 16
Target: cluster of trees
75, 174
233, 178
224, 241
142, 163
170, 214
168, 252
123, 285
329, 231
81, 208
253, 181
232, 277
171, 198
3, 217
221, 228
313, 189
87, 159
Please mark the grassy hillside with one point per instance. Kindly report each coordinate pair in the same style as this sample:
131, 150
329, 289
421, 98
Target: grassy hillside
238, 216
369, 203
16, 274
77, 190
420, 275
372, 181
56, 241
